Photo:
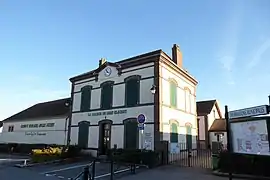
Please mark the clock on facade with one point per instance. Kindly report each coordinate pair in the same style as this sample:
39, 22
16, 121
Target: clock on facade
108, 71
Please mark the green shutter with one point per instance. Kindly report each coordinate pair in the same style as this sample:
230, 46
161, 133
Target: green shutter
173, 94
132, 92
174, 133
189, 137
131, 135
106, 96
85, 98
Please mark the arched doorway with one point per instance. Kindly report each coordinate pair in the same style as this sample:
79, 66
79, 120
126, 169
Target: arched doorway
105, 127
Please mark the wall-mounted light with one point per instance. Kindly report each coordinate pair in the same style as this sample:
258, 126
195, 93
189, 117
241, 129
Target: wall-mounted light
153, 89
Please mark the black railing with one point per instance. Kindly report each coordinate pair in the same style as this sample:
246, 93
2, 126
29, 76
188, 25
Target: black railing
86, 174
89, 171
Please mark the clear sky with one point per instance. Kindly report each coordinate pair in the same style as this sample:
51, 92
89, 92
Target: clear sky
225, 45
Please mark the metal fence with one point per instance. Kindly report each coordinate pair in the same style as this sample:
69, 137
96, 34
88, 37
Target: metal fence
189, 156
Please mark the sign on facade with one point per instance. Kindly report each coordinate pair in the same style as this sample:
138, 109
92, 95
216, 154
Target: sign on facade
247, 112
41, 125
106, 113
35, 133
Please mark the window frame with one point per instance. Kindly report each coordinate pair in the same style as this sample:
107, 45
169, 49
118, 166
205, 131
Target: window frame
138, 79
84, 90
174, 134
102, 85
174, 84
11, 128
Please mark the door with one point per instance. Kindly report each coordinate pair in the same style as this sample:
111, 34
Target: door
105, 138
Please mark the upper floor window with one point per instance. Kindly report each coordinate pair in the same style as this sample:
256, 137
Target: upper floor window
10, 128
106, 95
132, 91
188, 100
214, 114
173, 93
86, 98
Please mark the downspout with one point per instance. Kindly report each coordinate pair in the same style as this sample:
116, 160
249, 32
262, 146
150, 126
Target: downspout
70, 116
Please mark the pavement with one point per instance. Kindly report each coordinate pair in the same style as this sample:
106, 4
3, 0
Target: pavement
175, 173
70, 170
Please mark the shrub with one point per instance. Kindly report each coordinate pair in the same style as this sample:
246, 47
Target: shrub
135, 156
71, 151
244, 164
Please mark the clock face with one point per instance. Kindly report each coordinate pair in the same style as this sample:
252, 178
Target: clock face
108, 71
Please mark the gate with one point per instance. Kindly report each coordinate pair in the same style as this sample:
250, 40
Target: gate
194, 157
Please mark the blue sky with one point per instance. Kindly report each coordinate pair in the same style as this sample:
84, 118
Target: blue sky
225, 45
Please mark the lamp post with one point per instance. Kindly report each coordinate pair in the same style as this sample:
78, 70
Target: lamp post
67, 104
228, 140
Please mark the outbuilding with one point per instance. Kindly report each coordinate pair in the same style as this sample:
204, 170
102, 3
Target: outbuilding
42, 123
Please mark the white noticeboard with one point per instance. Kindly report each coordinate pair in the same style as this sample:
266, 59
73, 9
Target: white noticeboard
250, 137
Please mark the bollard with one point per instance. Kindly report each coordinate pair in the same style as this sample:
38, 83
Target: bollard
112, 170
189, 157
93, 174
85, 175
25, 163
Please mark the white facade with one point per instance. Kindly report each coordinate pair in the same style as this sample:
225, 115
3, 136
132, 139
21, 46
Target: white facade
185, 113
35, 131
146, 107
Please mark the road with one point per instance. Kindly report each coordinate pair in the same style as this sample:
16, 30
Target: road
58, 171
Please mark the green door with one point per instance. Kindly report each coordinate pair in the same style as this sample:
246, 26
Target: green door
83, 134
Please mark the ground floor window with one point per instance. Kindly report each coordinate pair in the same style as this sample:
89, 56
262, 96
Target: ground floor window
189, 136
131, 134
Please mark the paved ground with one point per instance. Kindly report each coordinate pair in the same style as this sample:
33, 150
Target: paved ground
68, 171
174, 173
58, 171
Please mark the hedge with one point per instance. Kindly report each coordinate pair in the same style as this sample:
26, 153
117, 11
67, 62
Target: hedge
244, 164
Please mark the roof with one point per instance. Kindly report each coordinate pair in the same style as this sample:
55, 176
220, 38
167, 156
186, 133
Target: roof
219, 125
205, 107
44, 109
140, 59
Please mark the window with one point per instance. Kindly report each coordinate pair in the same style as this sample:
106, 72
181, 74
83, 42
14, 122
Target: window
174, 133
132, 91
106, 95
214, 114
131, 134
10, 128
187, 100
189, 136
86, 98
173, 94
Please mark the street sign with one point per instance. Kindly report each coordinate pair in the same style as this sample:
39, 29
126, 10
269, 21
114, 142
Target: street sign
141, 126
247, 112
141, 118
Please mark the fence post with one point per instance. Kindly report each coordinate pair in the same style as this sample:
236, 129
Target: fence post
189, 156
93, 174
112, 170
85, 173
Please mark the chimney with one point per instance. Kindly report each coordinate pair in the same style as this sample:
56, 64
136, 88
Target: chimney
101, 61
177, 55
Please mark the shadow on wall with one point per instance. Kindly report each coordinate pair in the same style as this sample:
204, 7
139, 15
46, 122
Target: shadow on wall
179, 142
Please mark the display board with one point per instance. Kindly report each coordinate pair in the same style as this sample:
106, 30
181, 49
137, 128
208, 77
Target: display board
250, 137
